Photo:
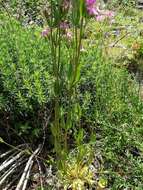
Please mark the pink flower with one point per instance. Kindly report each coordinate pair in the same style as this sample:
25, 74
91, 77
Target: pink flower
104, 14
92, 11
45, 32
100, 17
69, 35
90, 2
66, 4
110, 14
90, 6
64, 25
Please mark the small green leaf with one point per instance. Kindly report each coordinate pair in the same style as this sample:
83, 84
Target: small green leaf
77, 78
81, 8
28, 152
70, 71
1, 140
102, 183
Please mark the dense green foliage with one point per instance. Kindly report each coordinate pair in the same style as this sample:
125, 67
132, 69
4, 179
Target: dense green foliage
25, 72
23, 10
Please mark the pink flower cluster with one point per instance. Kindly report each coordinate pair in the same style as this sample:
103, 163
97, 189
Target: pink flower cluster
103, 14
45, 32
93, 10
64, 25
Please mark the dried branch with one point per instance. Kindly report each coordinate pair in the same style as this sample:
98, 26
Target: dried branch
6, 164
11, 170
40, 172
10, 151
22, 179
6, 153
27, 176
121, 38
8, 186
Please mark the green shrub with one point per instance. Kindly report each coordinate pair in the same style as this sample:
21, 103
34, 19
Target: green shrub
25, 10
25, 66
113, 110
123, 3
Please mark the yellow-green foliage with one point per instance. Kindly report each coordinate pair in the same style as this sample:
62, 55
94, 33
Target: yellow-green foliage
24, 65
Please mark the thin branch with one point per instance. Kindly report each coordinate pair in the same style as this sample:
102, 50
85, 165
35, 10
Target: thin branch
10, 171
27, 176
122, 37
40, 172
6, 153
22, 179
10, 151
8, 186
5, 165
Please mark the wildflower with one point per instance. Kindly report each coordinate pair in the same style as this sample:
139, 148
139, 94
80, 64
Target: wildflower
110, 14
104, 14
65, 5
92, 11
90, 2
100, 17
90, 6
64, 25
69, 35
107, 13
45, 32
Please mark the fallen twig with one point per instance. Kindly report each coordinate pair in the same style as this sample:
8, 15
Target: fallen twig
40, 172
6, 153
10, 171
27, 176
122, 37
9, 185
6, 164
27, 167
10, 151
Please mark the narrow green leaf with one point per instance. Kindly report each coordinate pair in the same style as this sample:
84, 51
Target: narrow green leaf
1, 140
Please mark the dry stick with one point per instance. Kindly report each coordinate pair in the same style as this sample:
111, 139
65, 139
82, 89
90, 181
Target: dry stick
21, 150
16, 163
7, 174
40, 171
10, 151
8, 186
4, 165
10, 171
28, 151
13, 147
120, 39
7, 171
6, 153
9, 158
21, 181
27, 176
